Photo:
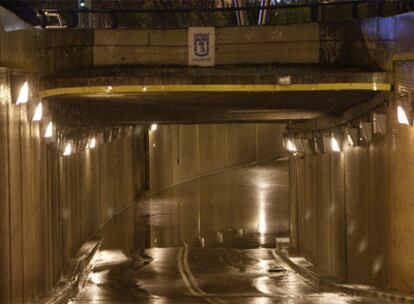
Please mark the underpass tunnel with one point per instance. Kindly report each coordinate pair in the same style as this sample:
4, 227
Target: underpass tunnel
280, 174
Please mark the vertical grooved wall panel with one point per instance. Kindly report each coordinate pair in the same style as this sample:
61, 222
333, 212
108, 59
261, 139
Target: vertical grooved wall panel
29, 199
323, 214
300, 183
16, 220
402, 197
379, 207
179, 153
337, 215
293, 203
4, 191
357, 215
311, 211
350, 194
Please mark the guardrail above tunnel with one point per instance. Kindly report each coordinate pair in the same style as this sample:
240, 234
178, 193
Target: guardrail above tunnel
176, 14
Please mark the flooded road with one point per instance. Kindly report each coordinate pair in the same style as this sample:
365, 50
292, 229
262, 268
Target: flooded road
209, 240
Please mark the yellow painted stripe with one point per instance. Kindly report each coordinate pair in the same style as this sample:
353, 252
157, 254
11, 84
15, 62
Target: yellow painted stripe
215, 88
403, 57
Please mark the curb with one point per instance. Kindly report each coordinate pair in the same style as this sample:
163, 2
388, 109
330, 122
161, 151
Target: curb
312, 277
74, 273
316, 281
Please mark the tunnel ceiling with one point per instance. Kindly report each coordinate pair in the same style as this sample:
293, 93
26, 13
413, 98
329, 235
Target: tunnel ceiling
124, 95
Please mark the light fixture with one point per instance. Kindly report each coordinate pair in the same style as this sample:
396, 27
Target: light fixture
365, 131
305, 146
313, 147
402, 116
129, 131
379, 122
290, 146
49, 130
327, 143
404, 108
37, 116
23, 96
99, 138
298, 144
320, 144
116, 134
107, 136
352, 138
335, 143
153, 127
92, 143
68, 150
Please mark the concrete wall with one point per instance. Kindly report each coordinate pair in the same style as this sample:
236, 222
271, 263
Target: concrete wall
17, 42
49, 204
74, 49
370, 42
341, 213
179, 153
353, 211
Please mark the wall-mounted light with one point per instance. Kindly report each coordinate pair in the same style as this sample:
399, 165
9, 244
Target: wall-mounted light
153, 127
336, 143
313, 145
290, 145
49, 130
305, 147
68, 149
107, 136
99, 138
298, 144
327, 143
404, 108
320, 144
402, 116
129, 131
23, 95
91, 143
365, 131
116, 134
352, 138
38, 112
379, 122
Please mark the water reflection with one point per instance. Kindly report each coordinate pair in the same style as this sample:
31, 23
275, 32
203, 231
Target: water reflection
246, 207
241, 208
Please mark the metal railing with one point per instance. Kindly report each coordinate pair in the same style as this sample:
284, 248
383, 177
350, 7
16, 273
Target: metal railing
263, 12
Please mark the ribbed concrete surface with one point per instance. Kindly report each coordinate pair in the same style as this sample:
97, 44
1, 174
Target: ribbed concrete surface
179, 153
51, 205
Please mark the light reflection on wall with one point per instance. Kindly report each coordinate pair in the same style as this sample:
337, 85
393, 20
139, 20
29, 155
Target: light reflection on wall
262, 215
